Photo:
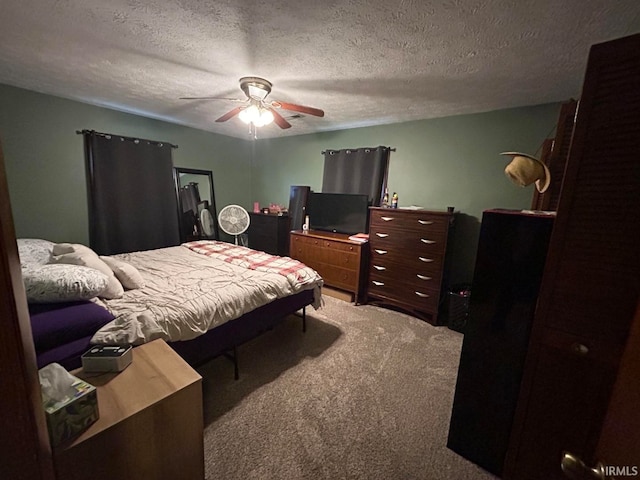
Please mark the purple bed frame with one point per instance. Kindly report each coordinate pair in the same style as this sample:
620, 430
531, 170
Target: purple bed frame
62, 332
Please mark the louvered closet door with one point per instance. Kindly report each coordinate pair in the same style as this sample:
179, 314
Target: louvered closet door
590, 287
554, 155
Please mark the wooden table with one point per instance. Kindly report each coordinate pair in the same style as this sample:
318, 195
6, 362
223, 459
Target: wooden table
150, 425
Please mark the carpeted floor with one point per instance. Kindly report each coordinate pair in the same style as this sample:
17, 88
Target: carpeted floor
365, 393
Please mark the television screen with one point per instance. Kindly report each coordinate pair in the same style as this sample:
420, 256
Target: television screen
338, 212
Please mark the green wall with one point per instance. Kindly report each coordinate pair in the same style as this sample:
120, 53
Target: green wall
452, 161
44, 159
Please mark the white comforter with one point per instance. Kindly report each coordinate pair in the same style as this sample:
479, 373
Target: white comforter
188, 293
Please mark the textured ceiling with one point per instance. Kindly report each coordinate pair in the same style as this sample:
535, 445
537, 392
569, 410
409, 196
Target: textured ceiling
363, 62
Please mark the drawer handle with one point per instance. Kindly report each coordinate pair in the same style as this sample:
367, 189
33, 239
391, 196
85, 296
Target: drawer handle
425, 222
387, 219
423, 295
377, 284
579, 349
382, 235
427, 241
425, 259
379, 268
381, 252
423, 277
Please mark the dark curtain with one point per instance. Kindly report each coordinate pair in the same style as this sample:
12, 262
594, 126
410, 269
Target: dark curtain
131, 193
190, 197
361, 170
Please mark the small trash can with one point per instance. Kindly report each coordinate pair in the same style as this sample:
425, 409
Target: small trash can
458, 307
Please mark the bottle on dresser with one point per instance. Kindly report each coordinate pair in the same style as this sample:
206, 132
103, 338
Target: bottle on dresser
394, 200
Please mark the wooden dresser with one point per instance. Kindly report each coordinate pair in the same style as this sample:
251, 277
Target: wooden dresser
407, 257
339, 261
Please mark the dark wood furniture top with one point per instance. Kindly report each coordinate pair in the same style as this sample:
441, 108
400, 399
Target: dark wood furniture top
339, 261
269, 233
407, 259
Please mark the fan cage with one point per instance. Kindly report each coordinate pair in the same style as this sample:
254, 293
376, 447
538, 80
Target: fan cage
233, 220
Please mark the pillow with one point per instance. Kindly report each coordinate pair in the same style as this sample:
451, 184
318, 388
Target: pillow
62, 248
88, 258
128, 275
63, 283
34, 251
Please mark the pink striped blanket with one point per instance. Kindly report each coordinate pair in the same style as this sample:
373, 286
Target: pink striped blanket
297, 273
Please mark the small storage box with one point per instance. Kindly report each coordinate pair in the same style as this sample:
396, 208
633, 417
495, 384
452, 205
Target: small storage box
107, 358
72, 415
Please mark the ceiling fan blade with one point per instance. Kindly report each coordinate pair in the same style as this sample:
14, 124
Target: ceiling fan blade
211, 98
279, 119
229, 114
298, 108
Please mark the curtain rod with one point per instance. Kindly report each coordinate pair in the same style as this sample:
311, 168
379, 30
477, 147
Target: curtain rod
93, 132
391, 149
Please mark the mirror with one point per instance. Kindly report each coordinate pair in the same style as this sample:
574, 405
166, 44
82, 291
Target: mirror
196, 204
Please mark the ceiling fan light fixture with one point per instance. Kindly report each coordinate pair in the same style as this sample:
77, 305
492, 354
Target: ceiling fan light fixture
249, 114
259, 116
266, 116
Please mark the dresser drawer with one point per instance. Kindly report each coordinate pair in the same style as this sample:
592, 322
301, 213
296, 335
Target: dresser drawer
408, 221
425, 299
393, 238
425, 278
338, 277
340, 258
418, 261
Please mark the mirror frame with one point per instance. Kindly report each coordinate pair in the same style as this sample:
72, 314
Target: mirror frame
212, 205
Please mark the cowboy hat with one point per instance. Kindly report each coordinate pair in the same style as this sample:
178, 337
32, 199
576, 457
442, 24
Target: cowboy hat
525, 170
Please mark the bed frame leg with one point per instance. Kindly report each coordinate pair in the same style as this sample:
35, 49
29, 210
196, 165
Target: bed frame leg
304, 319
236, 370
233, 356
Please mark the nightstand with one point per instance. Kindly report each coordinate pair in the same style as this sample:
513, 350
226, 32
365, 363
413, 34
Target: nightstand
150, 425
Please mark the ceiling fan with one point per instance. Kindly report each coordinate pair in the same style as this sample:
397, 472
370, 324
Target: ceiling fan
256, 109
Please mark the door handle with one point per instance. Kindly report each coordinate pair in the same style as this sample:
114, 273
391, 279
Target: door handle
573, 467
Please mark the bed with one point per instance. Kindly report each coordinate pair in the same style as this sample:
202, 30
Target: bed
203, 298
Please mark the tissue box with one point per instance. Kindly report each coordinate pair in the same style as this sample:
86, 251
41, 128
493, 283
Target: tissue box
107, 358
72, 415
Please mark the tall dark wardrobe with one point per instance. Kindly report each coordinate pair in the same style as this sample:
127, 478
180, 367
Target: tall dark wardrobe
510, 260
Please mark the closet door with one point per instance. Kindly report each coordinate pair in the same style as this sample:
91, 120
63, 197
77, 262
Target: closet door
554, 154
590, 287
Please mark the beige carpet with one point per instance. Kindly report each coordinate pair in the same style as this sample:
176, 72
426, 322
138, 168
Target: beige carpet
365, 393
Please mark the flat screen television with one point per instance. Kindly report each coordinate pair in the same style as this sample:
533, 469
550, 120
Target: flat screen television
338, 212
